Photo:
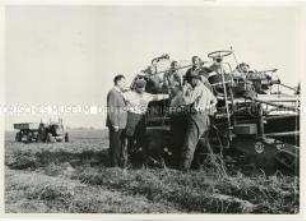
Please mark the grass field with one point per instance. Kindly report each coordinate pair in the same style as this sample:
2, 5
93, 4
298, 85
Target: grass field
75, 177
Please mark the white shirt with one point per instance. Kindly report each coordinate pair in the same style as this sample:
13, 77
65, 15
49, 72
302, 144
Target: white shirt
138, 103
238, 75
201, 96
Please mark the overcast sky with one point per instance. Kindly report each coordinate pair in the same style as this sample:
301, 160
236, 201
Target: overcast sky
69, 54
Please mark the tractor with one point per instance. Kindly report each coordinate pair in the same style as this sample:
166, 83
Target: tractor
41, 132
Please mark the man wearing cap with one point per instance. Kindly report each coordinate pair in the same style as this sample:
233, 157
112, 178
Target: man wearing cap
137, 105
173, 79
198, 69
154, 80
195, 69
116, 120
202, 102
243, 87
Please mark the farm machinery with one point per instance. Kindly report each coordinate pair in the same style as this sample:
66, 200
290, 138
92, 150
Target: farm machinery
256, 123
41, 132
254, 120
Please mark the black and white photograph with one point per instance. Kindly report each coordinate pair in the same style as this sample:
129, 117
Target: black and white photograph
153, 109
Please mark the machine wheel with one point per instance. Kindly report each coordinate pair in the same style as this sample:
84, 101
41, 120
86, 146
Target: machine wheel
217, 54
18, 137
30, 136
287, 157
66, 137
259, 147
50, 138
42, 135
254, 154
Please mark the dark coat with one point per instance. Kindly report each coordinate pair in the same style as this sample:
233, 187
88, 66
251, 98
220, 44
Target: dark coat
116, 109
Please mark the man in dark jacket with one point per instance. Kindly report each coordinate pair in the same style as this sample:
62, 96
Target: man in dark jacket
195, 69
198, 69
116, 121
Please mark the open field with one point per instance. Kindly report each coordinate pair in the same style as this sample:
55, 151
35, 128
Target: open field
75, 177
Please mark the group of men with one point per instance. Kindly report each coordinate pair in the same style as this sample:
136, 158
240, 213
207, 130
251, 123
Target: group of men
127, 109
126, 118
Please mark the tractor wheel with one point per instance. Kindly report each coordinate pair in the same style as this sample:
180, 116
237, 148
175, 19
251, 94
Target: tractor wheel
66, 137
50, 138
29, 137
41, 136
18, 137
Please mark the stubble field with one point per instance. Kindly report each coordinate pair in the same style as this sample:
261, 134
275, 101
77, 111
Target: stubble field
75, 177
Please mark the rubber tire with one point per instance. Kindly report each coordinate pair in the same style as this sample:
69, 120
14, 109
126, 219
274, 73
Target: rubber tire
50, 138
30, 137
18, 137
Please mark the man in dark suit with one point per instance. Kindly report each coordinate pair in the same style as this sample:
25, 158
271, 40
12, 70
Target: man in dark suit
116, 122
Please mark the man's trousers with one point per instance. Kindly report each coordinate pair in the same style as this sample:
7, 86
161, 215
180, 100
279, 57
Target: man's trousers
116, 147
197, 123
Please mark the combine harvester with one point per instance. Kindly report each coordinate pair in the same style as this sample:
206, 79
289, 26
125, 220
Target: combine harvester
261, 124
265, 125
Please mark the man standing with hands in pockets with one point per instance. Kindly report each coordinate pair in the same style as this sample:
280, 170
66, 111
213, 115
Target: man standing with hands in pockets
116, 121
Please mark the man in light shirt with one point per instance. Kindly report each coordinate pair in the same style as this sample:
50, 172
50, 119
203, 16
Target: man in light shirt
202, 104
137, 105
